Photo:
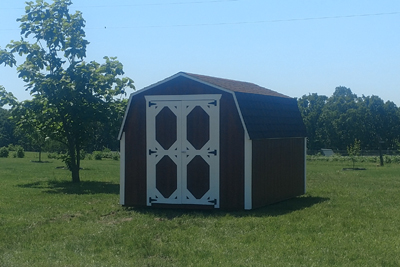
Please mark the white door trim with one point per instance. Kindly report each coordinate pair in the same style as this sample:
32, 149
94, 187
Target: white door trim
182, 152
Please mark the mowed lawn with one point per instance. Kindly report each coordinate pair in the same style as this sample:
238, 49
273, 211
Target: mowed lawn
347, 218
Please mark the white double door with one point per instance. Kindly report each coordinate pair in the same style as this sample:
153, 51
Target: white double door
183, 149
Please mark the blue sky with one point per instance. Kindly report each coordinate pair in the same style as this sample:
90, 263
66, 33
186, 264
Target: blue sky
290, 46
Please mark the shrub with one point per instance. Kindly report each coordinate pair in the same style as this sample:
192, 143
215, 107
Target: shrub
4, 152
387, 159
115, 156
20, 153
97, 155
82, 154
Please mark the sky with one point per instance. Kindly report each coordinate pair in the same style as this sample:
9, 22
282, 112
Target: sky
290, 46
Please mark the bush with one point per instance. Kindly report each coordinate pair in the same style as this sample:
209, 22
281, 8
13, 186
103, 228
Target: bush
387, 159
97, 155
4, 152
82, 154
20, 153
52, 156
115, 156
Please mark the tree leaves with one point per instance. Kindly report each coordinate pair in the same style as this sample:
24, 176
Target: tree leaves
336, 121
70, 96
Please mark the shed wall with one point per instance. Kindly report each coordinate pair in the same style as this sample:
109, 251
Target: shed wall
278, 170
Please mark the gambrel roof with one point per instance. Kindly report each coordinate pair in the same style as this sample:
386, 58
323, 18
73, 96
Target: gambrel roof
236, 86
264, 112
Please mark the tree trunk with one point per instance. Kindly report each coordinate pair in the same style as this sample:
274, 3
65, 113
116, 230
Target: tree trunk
75, 174
72, 163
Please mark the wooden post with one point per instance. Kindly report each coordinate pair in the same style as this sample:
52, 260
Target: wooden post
380, 150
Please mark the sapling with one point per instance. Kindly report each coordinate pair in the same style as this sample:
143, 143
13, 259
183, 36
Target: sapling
354, 150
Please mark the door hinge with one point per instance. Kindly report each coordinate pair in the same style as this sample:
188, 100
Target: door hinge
213, 201
213, 103
213, 152
152, 200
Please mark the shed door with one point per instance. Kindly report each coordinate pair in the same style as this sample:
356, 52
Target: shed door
183, 150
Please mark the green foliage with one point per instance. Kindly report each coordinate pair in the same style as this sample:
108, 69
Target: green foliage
6, 98
83, 154
11, 147
7, 127
71, 97
97, 155
19, 151
354, 150
115, 156
4, 152
311, 108
397, 145
52, 156
334, 122
106, 150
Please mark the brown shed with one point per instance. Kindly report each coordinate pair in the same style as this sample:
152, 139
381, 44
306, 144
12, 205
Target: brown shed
204, 142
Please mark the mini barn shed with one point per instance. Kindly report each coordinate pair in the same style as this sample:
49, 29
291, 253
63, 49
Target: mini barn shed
204, 142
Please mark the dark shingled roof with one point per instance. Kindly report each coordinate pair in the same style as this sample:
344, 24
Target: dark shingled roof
270, 116
266, 113
236, 86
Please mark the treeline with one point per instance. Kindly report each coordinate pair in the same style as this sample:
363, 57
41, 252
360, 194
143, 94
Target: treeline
104, 133
332, 122
335, 122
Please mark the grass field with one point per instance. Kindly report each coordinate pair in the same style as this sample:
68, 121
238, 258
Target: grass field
347, 218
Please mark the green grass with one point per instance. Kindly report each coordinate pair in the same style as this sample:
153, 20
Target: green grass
347, 218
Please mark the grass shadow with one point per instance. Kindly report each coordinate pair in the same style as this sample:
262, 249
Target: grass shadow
277, 209
67, 187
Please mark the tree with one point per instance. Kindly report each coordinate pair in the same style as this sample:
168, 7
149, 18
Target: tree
354, 150
29, 120
310, 107
6, 98
339, 121
7, 126
70, 94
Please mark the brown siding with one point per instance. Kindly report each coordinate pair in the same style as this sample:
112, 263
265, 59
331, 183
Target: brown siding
231, 144
232, 156
135, 154
277, 170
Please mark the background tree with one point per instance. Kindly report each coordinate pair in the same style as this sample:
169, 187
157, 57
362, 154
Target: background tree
310, 107
7, 126
71, 94
336, 121
354, 150
29, 119
339, 119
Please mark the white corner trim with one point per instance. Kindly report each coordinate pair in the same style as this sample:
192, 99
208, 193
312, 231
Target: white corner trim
125, 115
248, 205
246, 133
122, 170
